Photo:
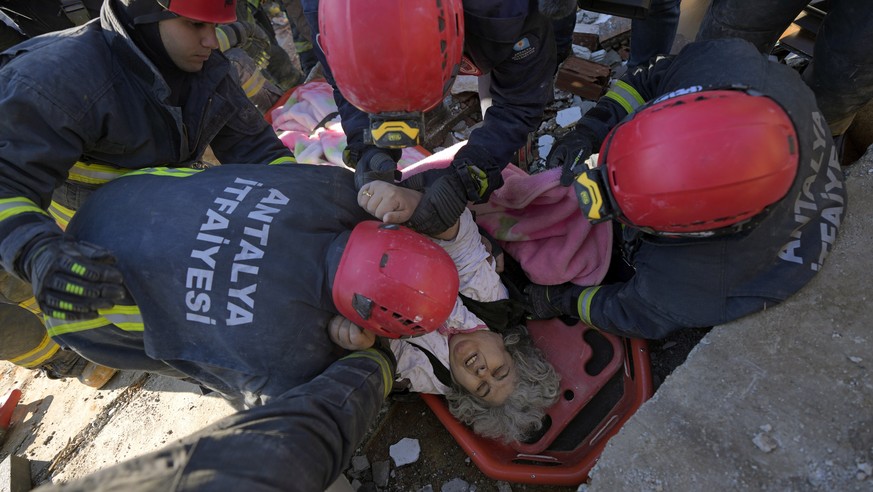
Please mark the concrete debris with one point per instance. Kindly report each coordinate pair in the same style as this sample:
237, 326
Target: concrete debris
586, 17
360, 464
381, 472
581, 52
457, 485
544, 145
405, 451
465, 83
15, 474
568, 117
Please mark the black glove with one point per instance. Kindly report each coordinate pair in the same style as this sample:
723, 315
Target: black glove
375, 164
552, 301
570, 153
479, 174
71, 280
440, 207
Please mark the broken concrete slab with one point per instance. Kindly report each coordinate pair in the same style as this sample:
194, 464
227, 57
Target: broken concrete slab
15, 474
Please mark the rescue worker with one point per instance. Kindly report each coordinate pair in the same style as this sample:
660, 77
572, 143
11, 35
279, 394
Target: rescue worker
509, 44
722, 182
841, 71
301, 34
142, 87
302, 440
259, 264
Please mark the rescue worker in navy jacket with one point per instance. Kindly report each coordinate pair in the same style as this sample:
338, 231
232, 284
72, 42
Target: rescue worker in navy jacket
238, 290
721, 178
141, 87
397, 74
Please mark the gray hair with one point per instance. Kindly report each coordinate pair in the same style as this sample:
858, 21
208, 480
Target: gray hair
521, 415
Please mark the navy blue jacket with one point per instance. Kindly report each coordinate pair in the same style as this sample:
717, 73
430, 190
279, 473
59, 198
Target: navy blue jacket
202, 256
702, 283
89, 94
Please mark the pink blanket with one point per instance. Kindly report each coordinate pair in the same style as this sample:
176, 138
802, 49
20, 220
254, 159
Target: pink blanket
536, 220
539, 223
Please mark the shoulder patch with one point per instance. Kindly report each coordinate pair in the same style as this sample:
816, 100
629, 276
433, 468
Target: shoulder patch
523, 49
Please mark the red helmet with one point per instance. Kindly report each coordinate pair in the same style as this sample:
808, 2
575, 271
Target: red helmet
210, 11
694, 164
390, 56
394, 281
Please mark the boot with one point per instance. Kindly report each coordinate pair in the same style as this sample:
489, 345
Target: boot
68, 364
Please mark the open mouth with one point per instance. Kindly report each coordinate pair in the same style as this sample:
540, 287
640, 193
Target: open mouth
471, 360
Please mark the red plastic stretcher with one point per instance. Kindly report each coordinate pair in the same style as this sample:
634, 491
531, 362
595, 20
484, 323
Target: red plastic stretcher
604, 380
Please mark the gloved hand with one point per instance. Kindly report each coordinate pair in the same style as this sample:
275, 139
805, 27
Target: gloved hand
247, 36
374, 164
552, 301
472, 176
570, 152
71, 280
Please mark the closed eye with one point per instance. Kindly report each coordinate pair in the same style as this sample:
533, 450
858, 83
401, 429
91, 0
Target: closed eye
501, 373
483, 389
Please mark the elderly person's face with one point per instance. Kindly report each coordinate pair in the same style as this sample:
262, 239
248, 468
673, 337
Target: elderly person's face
188, 42
481, 364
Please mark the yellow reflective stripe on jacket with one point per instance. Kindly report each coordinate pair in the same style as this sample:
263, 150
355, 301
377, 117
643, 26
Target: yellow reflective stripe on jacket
43, 352
384, 367
284, 160
31, 305
176, 172
10, 207
95, 174
583, 304
253, 85
624, 94
127, 318
61, 214
223, 42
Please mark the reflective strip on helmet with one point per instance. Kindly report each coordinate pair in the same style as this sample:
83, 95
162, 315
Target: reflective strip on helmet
83, 172
253, 85
583, 304
41, 353
11, 207
175, 172
61, 214
625, 95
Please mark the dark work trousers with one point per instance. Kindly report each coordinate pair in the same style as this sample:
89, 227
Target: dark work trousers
300, 441
841, 72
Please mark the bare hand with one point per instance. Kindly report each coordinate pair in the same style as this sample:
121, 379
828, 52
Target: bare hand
390, 203
349, 335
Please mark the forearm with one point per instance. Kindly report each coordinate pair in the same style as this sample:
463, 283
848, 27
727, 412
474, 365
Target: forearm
615, 309
300, 441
